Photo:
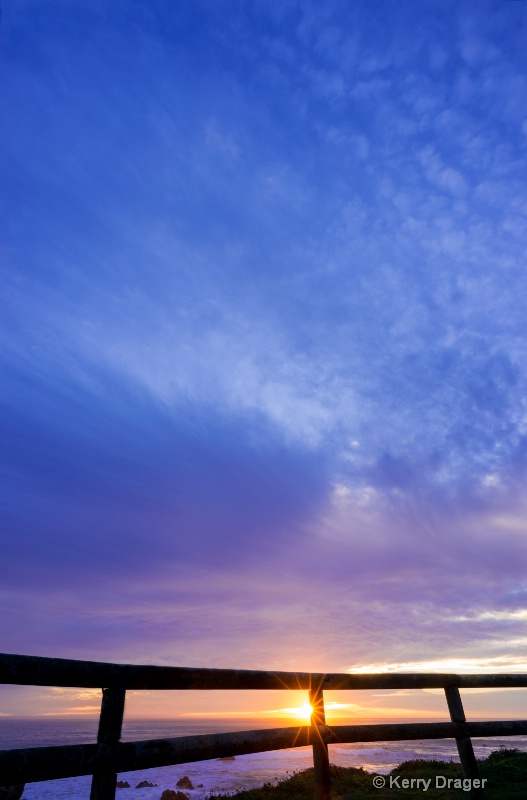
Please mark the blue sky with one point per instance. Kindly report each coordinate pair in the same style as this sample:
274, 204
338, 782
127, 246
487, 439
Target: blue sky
264, 355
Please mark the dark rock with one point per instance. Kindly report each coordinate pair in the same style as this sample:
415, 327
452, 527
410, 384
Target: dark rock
144, 784
170, 794
185, 783
122, 785
11, 792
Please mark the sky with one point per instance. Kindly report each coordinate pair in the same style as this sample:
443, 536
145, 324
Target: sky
264, 352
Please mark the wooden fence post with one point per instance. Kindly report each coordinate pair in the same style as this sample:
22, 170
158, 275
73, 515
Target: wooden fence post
464, 743
104, 780
320, 748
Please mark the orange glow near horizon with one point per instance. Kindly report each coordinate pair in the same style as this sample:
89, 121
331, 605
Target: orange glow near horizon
282, 708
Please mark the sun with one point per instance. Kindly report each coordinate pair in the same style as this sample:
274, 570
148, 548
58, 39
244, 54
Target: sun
301, 712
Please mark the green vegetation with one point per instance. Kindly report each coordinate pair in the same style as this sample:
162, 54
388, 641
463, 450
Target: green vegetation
505, 772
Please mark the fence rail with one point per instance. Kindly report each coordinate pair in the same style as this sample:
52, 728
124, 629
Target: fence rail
40, 671
110, 756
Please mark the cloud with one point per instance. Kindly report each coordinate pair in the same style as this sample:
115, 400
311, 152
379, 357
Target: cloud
265, 365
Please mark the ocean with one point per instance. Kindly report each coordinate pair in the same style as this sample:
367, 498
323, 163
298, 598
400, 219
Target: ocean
216, 775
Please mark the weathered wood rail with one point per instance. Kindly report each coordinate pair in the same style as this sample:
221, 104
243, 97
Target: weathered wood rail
109, 756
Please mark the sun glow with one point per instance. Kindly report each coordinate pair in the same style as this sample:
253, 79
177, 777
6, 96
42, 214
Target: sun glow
300, 712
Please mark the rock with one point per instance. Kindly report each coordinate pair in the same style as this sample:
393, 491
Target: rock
144, 784
11, 792
170, 794
185, 783
122, 785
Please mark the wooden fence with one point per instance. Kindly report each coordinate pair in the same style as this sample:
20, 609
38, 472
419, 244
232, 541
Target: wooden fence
109, 756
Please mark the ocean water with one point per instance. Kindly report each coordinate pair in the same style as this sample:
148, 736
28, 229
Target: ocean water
215, 775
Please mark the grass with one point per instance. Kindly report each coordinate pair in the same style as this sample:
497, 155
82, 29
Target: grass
504, 770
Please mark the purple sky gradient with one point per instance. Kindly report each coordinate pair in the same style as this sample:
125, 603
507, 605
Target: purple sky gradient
264, 363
